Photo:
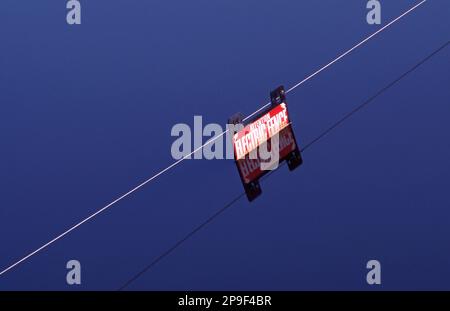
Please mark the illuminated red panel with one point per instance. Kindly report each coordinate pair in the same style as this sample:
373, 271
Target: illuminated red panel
258, 132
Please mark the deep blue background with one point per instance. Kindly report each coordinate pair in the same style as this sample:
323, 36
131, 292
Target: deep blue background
86, 113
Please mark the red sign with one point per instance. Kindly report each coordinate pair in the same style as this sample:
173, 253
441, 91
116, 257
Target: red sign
264, 143
259, 132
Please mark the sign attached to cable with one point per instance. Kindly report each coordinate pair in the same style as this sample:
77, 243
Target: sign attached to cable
264, 142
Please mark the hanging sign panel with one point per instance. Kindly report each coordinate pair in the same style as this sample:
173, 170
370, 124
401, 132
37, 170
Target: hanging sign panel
262, 144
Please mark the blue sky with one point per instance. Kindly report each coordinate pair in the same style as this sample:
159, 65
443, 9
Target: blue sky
87, 112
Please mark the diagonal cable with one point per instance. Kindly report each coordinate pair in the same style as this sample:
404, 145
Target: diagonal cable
308, 145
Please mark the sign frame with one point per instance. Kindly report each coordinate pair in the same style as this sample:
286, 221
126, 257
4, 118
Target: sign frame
293, 158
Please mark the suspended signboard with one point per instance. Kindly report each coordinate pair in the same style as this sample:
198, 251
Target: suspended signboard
264, 142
